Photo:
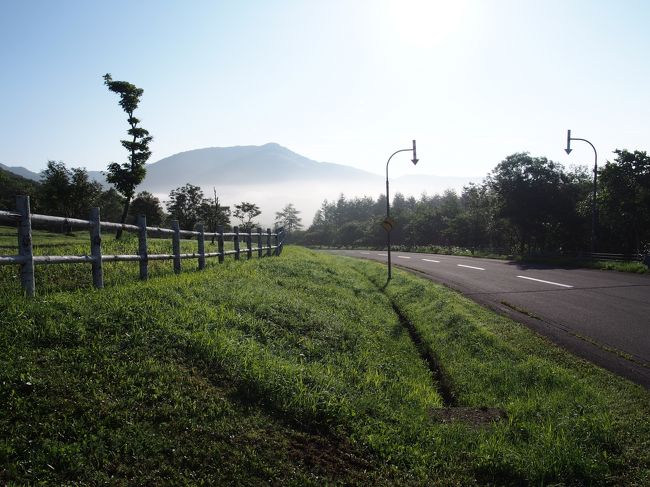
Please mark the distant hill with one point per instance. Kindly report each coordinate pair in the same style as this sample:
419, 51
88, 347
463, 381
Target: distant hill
12, 184
21, 171
242, 165
272, 176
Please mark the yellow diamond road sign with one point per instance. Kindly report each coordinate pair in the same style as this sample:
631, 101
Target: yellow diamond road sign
388, 224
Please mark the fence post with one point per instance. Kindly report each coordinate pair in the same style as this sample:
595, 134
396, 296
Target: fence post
268, 242
281, 236
249, 243
259, 242
25, 249
220, 243
276, 251
176, 246
143, 252
236, 242
96, 248
201, 239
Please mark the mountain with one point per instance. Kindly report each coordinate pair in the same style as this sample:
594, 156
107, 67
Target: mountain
21, 171
272, 176
242, 165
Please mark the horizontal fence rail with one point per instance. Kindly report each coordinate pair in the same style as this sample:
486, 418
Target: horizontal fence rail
613, 257
268, 243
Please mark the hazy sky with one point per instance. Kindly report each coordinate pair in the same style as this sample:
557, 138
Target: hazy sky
338, 81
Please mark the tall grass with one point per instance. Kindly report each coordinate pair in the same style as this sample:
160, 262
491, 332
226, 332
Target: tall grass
299, 369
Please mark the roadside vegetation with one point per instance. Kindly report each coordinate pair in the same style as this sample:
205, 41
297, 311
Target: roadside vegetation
300, 370
526, 206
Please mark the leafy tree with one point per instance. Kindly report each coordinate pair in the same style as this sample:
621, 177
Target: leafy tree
624, 201
110, 203
532, 194
246, 212
213, 214
126, 177
68, 192
184, 205
148, 205
288, 218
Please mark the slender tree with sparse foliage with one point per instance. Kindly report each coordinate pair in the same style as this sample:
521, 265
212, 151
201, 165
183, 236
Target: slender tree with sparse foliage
126, 177
288, 218
246, 212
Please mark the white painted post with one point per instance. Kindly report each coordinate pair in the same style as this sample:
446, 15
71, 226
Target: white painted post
142, 247
25, 249
176, 246
201, 240
96, 248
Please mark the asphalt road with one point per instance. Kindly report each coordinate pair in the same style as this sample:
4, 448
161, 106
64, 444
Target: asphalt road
603, 316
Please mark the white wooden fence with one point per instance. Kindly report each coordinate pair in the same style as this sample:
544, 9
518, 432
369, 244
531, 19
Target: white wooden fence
27, 260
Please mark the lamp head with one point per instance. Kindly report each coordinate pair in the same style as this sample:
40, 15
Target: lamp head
415, 155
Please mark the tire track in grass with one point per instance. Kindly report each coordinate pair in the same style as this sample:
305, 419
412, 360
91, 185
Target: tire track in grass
441, 381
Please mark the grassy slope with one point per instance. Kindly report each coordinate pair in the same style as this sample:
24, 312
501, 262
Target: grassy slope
298, 369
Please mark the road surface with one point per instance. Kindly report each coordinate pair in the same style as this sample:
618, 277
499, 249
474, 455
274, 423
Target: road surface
603, 316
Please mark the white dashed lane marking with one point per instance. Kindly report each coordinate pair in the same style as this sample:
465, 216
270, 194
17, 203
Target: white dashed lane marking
431, 260
471, 267
545, 282
403, 257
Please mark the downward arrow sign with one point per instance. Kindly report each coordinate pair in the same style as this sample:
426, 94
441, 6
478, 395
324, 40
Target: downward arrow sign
415, 157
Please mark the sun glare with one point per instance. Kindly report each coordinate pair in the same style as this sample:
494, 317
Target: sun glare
424, 23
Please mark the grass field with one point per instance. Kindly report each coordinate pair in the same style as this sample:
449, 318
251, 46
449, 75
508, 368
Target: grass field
299, 370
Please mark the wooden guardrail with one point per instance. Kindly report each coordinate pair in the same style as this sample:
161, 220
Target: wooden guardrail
612, 257
27, 260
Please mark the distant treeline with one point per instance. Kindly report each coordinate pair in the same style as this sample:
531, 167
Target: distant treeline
525, 205
69, 192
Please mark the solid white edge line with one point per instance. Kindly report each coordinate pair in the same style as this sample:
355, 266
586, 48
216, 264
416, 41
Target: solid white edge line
431, 260
545, 282
403, 257
471, 267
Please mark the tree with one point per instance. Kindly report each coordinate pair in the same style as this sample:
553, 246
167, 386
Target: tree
288, 218
148, 205
68, 192
533, 195
184, 205
624, 201
110, 202
246, 212
213, 214
127, 176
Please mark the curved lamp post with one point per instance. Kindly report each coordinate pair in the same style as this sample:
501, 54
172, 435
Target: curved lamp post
593, 199
388, 224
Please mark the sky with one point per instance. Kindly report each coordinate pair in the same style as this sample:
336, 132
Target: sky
344, 81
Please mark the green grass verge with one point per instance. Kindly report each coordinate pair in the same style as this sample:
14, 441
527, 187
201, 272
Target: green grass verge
300, 370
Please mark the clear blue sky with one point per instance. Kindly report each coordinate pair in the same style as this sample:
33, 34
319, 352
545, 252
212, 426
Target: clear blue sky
337, 81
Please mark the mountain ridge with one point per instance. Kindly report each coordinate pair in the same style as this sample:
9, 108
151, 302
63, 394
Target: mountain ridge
271, 176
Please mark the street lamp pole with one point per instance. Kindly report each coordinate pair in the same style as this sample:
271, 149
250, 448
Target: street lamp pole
388, 226
593, 198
